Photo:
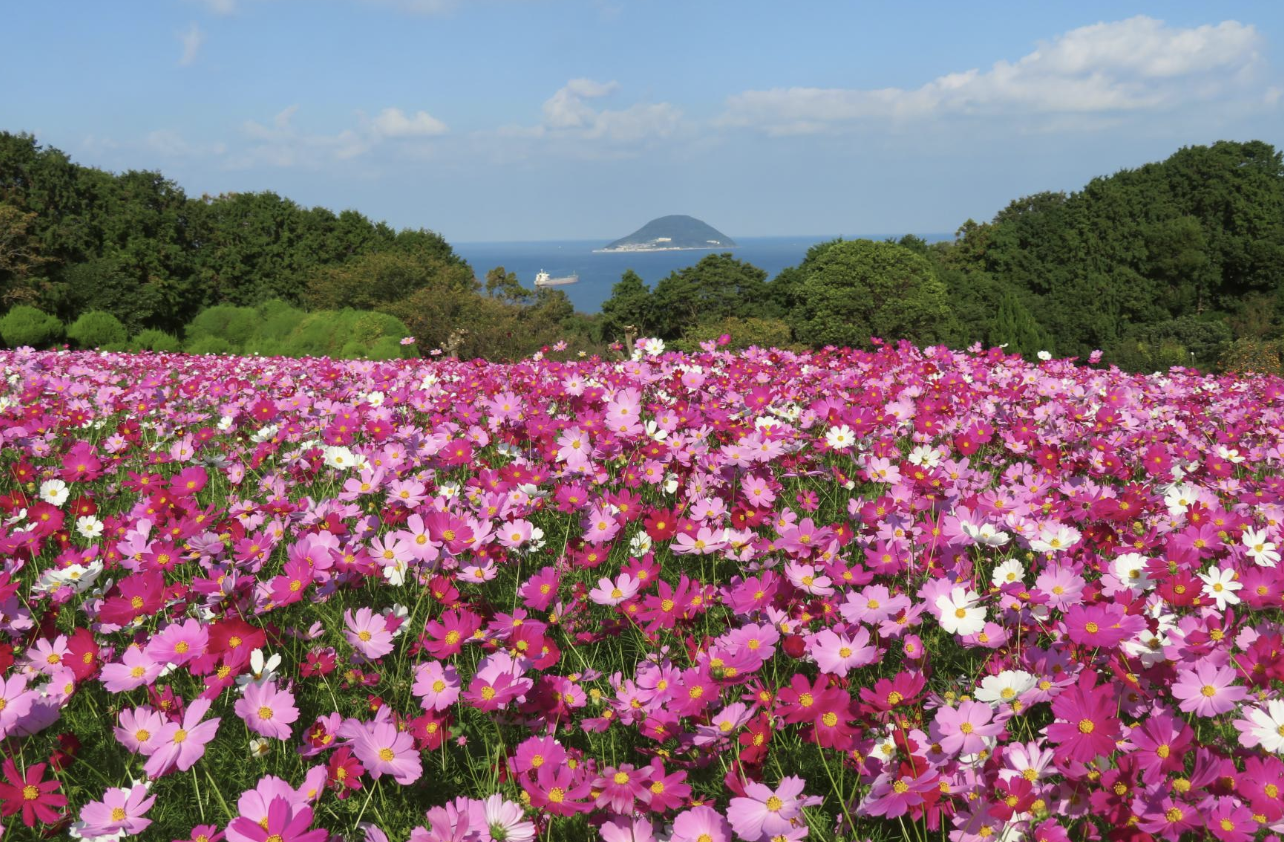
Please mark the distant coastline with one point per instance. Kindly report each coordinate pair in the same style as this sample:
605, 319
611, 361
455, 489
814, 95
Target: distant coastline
639, 248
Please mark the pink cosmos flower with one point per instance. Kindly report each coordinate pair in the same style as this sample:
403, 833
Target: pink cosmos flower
368, 633
613, 593
267, 710
384, 750
284, 822
180, 744
1208, 690
499, 820
179, 643
134, 670
437, 686
964, 729
838, 654
15, 702
700, 824
765, 813
139, 728
120, 812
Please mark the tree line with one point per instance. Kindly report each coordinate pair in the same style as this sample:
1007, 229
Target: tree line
1173, 263
1179, 262
129, 260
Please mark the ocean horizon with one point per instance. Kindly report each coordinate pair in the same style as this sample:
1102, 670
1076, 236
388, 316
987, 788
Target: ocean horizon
600, 271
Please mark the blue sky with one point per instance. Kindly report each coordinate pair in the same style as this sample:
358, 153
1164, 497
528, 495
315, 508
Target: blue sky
582, 119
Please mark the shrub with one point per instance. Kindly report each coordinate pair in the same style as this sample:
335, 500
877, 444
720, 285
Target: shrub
96, 329
1258, 356
209, 345
763, 333
25, 325
155, 340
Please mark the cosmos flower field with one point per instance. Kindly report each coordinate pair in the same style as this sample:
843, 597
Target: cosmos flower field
763, 596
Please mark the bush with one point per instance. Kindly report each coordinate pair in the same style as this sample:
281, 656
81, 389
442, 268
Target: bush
1245, 356
209, 345
155, 340
96, 329
234, 325
744, 333
24, 325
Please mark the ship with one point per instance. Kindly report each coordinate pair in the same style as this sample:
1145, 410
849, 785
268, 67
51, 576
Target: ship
544, 280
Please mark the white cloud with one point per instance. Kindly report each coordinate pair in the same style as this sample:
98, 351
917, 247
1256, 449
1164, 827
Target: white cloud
393, 122
172, 144
284, 144
568, 115
1139, 64
191, 40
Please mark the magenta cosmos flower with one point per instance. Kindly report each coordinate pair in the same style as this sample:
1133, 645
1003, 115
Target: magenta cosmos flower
765, 813
267, 710
181, 744
384, 750
1086, 726
121, 811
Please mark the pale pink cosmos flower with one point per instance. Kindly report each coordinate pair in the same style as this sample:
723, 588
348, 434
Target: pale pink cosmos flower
838, 654
15, 702
613, 593
499, 820
134, 670
179, 643
120, 812
180, 744
384, 750
368, 633
1208, 690
766, 813
437, 686
267, 710
963, 730
139, 729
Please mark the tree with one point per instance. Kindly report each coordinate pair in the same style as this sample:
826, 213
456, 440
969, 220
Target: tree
715, 288
20, 256
861, 289
629, 304
383, 279
1015, 327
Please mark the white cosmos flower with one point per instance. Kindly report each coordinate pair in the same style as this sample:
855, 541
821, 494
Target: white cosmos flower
1005, 687
984, 534
262, 669
1055, 538
89, 527
1220, 586
653, 347
54, 492
1130, 569
840, 438
338, 457
1267, 725
960, 613
1262, 552
1007, 573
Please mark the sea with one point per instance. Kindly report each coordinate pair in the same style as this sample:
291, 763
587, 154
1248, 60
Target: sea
600, 272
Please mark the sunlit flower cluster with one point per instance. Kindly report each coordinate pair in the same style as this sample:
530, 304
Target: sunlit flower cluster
757, 596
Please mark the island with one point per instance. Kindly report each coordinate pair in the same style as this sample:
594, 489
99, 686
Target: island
672, 233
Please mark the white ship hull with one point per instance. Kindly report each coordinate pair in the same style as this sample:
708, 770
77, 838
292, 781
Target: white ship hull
543, 280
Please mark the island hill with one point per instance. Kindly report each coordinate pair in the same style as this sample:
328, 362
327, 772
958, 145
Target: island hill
672, 233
